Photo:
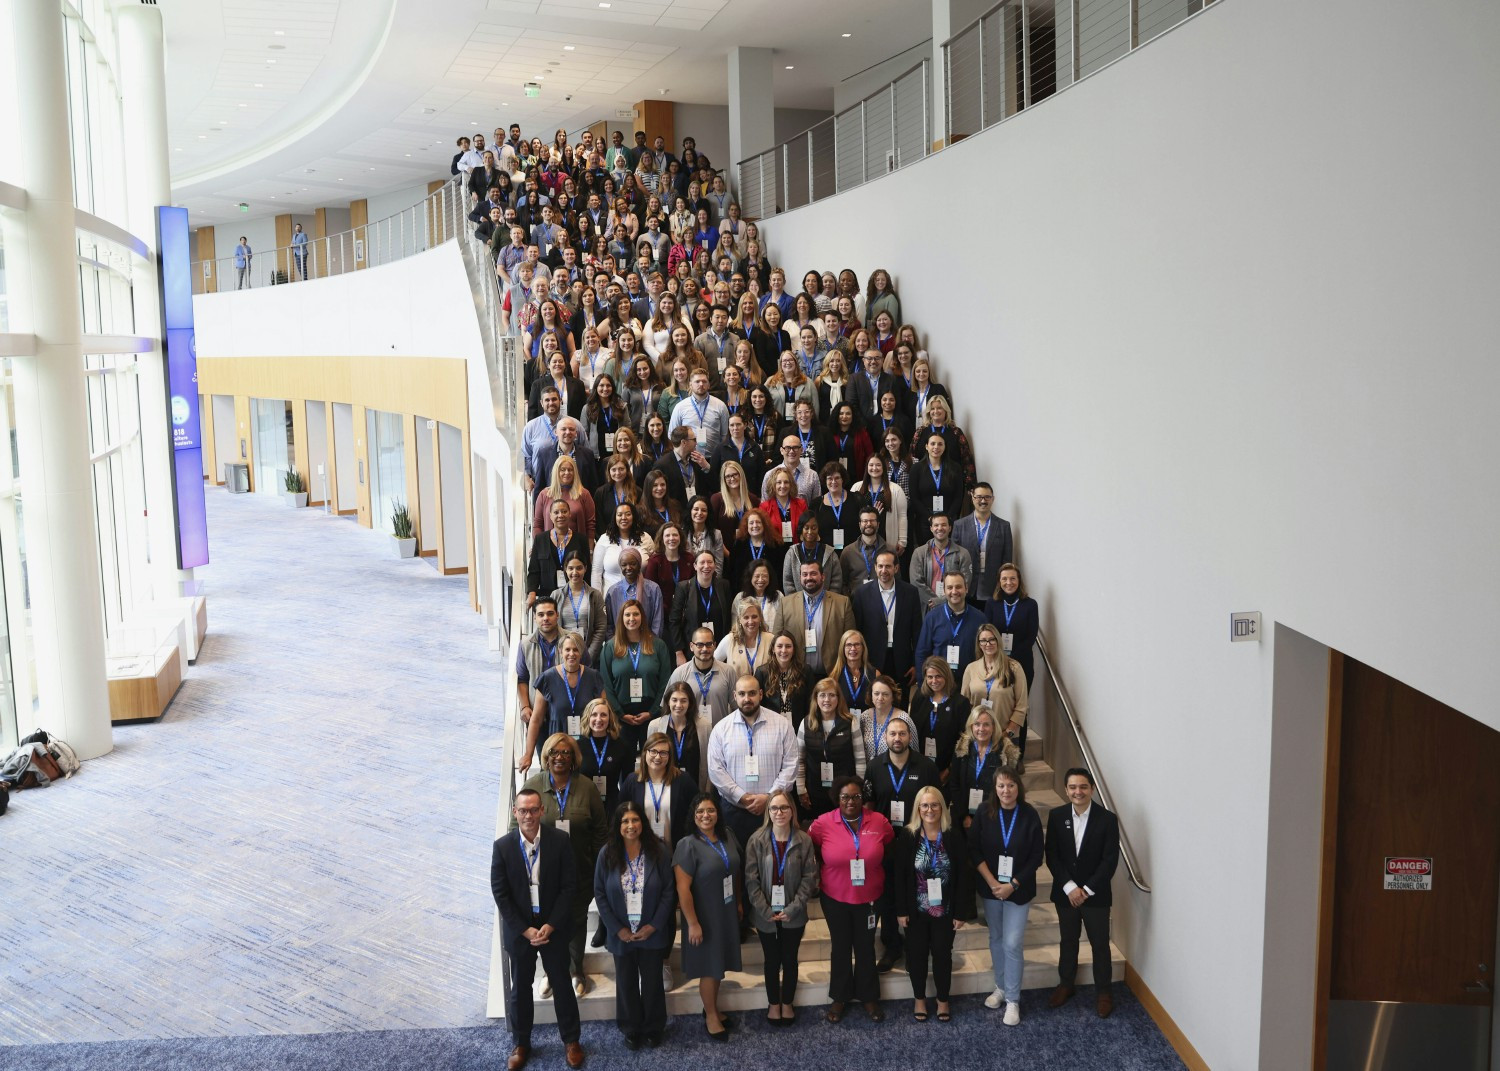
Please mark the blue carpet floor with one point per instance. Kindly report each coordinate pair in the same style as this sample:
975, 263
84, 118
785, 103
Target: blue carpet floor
1071, 1037
301, 843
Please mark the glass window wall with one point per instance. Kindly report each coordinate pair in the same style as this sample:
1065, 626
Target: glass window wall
385, 434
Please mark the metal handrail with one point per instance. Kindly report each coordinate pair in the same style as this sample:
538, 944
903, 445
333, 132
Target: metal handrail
1132, 868
970, 25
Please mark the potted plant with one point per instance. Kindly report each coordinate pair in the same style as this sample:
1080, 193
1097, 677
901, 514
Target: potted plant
296, 488
406, 538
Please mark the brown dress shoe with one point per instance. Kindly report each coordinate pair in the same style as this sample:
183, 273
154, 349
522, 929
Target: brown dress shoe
518, 1058
575, 1054
1106, 1004
835, 1011
1061, 995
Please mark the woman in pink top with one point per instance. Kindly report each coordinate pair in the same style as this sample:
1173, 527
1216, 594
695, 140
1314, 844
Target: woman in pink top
851, 842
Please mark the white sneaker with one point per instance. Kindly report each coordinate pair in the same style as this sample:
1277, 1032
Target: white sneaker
1013, 1014
995, 999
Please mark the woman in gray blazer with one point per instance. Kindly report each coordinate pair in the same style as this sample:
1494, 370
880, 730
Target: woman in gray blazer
781, 876
635, 891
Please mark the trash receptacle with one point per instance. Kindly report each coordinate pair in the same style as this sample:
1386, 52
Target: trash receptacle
237, 479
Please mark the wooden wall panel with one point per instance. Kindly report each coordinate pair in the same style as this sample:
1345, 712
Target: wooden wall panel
362, 460
206, 438
206, 284
656, 118
242, 428
359, 219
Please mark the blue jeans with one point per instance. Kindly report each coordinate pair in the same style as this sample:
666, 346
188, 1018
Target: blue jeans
1007, 924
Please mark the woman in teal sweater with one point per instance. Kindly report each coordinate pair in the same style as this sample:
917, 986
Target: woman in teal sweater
635, 668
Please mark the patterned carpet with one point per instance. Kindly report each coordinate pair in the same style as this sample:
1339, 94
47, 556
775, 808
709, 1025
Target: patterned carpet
301, 844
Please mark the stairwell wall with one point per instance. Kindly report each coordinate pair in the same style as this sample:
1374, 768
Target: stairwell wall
1220, 324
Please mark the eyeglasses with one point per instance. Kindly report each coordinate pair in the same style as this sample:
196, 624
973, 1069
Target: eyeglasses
528, 810
657, 753
778, 808
856, 798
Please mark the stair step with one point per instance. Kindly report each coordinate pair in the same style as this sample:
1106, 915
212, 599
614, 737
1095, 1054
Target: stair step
743, 991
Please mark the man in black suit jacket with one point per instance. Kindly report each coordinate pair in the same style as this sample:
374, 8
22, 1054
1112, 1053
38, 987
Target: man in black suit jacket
532, 876
890, 634
891, 785
1083, 849
684, 458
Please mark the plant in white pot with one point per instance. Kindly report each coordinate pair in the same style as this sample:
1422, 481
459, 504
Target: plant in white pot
405, 536
296, 488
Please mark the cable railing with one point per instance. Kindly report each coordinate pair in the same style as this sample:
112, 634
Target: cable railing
1020, 52
415, 229
882, 133
1073, 749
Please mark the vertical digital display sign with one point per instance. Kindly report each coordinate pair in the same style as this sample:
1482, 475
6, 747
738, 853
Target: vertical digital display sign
181, 352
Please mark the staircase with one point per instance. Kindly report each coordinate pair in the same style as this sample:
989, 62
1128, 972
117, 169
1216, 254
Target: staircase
743, 990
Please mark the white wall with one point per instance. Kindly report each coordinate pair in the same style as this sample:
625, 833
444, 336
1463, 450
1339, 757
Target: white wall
857, 87
392, 202
1237, 354
709, 124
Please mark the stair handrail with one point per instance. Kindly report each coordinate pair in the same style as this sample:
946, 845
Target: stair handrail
1132, 867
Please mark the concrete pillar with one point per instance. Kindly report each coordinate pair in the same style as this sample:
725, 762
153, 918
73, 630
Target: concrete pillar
148, 183
752, 108
62, 541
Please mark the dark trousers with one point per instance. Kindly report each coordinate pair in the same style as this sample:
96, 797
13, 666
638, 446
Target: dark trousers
518, 1010
890, 929
850, 932
1094, 919
742, 822
640, 1000
926, 936
780, 948
580, 935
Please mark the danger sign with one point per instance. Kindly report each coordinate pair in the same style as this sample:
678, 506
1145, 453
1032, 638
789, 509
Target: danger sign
1408, 873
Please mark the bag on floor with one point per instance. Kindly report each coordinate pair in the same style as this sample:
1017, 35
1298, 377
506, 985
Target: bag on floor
29, 766
62, 753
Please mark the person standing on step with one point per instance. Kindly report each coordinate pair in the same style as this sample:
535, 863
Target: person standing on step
1005, 847
892, 782
751, 754
533, 880
934, 893
781, 877
711, 890
634, 888
1083, 849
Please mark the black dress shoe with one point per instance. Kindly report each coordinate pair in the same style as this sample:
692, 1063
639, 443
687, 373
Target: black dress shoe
874, 1011
598, 939
653, 1040
886, 962
835, 1011
632, 1043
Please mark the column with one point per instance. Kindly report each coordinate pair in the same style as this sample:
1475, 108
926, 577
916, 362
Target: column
752, 108
148, 183
62, 542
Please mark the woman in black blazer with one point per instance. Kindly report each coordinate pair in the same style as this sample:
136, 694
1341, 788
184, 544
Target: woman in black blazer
662, 790
635, 892
1014, 613
934, 896
1005, 847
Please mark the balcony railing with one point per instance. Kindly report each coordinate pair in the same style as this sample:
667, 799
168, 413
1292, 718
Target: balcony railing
882, 133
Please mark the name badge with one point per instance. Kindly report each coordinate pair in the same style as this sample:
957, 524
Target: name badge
706, 624
729, 888
898, 812
599, 783
786, 531
825, 774
637, 689
633, 908
723, 363
565, 825
952, 656
575, 725
856, 871
935, 891
536, 898
976, 797
929, 747
937, 503
778, 897
609, 442
870, 921
838, 539
1007, 642
752, 768
562, 581
1005, 869
809, 639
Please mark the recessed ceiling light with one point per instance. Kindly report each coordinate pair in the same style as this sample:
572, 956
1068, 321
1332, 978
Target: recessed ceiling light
372, 169
341, 180
505, 104
270, 61
473, 124
260, 85
567, 48
202, 137
408, 154
279, 33
790, 67
603, 4
244, 105
277, 48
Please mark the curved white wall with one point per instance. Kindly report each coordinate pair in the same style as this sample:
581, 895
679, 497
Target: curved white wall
1229, 344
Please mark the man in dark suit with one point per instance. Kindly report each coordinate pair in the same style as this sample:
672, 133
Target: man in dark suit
684, 461
1083, 849
869, 382
889, 613
532, 876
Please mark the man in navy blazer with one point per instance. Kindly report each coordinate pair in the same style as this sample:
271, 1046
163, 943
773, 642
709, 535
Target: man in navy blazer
1083, 849
890, 634
532, 876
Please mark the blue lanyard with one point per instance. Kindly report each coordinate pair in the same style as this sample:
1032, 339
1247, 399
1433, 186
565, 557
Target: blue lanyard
1009, 610
937, 478
780, 857
701, 411
562, 551
723, 852
952, 624
1005, 831
853, 691
749, 736
933, 848
756, 553
655, 795
751, 656
983, 530
854, 830
897, 786
868, 554
562, 797
562, 672
979, 758
606, 414
706, 601
679, 741
599, 753
811, 608
932, 715
577, 603
880, 736
838, 511
760, 427
937, 558
702, 687
636, 871
895, 473
634, 651
531, 859
549, 652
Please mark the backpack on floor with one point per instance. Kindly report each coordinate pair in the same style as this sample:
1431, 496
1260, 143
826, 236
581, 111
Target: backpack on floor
59, 750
